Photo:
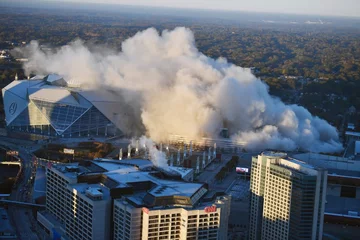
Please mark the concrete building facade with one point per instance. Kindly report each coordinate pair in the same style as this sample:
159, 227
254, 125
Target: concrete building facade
287, 198
111, 199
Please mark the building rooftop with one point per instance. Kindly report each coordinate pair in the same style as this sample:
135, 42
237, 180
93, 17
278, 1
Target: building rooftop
343, 173
181, 170
58, 95
334, 165
94, 192
301, 163
354, 134
71, 170
274, 154
296, 166
141, 163
115, 165
176, 188
139, 180
282, 160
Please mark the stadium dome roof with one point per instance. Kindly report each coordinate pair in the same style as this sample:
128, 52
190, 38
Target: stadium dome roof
52, 97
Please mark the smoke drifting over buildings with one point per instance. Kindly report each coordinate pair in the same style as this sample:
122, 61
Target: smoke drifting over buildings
171, 88
157, 157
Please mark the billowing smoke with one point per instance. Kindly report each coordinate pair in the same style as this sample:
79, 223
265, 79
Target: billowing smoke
157, 157
172, 88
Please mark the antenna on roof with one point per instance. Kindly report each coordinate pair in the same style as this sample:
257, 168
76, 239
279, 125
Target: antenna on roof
178, 158
137, 148
185, 151
146, 153
214, 150
197, 165
209, 154
120, 154
203, 163
129, 151
191, 148
204, 159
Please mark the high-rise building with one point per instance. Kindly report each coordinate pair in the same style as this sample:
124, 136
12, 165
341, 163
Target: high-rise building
287, 198
130, 200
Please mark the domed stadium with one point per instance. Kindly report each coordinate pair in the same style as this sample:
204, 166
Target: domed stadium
51, 106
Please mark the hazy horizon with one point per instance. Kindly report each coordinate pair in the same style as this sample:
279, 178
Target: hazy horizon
346, 8
278, 7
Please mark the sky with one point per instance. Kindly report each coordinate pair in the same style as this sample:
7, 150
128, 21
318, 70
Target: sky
350, 8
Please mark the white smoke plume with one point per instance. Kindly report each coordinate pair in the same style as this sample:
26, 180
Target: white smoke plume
157, 157
172, 88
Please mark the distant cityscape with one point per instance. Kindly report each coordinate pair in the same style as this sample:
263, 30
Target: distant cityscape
77, 163
207, 189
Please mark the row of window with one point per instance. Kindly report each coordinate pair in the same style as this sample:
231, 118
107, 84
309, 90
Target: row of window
75, 212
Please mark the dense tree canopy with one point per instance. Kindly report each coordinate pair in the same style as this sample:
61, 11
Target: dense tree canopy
325, 60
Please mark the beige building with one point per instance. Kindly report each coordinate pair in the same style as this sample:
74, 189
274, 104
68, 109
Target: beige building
206, 221
75, 210
287, 198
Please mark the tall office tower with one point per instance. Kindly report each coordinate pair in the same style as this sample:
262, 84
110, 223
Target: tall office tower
130, 200
76, 208
287, 198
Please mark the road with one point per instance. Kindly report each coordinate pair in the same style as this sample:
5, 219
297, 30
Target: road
22, 218
210, 172
208, 176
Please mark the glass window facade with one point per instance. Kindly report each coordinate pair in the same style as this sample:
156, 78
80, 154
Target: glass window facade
61, 116
56, 119
30, 116
93, 123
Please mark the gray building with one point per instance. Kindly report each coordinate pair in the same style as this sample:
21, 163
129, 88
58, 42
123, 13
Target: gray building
130, 200
287, 198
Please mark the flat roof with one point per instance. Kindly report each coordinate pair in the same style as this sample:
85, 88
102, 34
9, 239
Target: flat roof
350, 133
176, 188
96, 189
343, 173
294, 165
128, 174
115, 165
139, 162
111, 165
274, 154
181, 170
334, 164
341, 205
76, 169
163, 187
301, 163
